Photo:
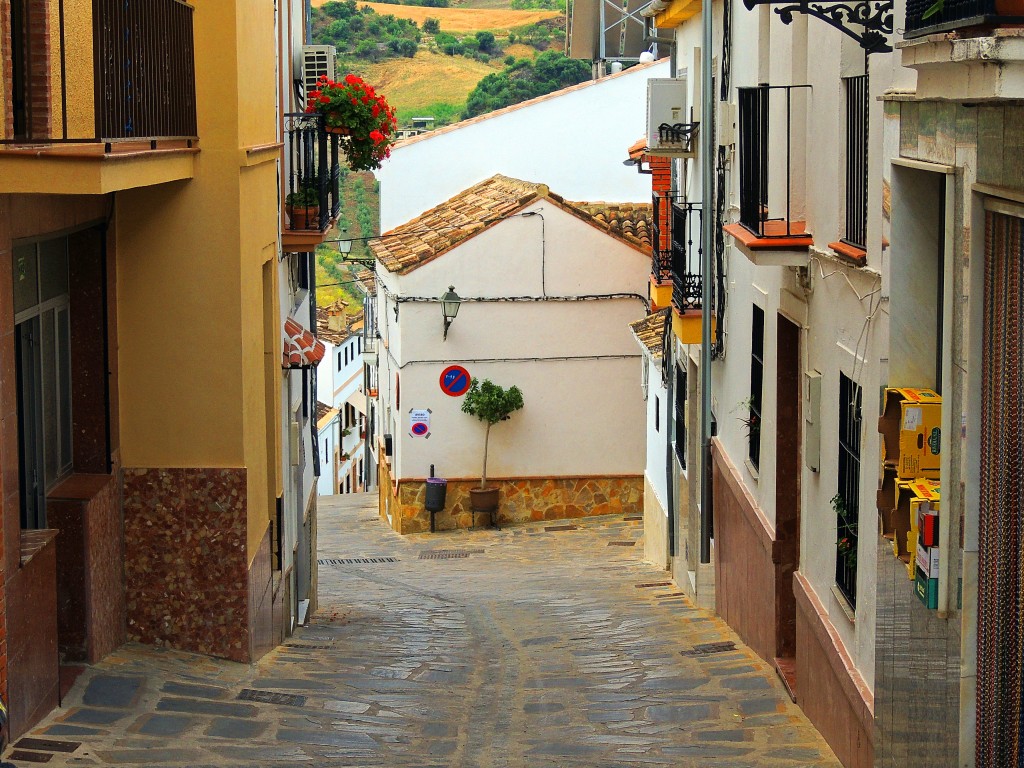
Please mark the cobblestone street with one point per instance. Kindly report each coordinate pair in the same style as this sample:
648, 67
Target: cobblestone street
537, 645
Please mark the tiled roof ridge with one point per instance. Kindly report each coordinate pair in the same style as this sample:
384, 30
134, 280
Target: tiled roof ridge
520, 105
579, 209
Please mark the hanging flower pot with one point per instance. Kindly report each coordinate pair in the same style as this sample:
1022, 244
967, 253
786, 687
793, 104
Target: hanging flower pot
351, 108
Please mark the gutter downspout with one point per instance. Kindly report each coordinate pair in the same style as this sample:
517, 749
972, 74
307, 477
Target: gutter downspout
668, 366
707, 140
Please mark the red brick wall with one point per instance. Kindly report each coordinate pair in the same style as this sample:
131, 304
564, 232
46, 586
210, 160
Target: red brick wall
39, 68
5, 67
661, 183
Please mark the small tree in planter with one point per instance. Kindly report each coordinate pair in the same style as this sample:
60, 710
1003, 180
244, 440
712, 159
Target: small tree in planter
491, 404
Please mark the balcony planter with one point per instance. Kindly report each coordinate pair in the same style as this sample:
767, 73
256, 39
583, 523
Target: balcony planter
352, 106
303, 208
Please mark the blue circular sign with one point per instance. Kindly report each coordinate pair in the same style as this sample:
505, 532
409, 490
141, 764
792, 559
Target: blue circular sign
455, 380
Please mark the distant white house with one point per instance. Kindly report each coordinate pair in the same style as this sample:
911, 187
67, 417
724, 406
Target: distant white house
548, 289
341, 409
565, 138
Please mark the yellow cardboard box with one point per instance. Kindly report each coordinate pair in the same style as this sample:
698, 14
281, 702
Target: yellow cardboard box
909, 497
911, 429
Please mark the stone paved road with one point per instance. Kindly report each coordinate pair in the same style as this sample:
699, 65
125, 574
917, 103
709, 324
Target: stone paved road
486, 649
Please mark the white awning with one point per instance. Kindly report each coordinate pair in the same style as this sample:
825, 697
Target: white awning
358, 401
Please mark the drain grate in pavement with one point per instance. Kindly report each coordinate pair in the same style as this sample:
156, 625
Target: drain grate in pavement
30, 757
654, 584
356, 560
48, 745
569, 527
621, 543
670, 594
307, 647
706, 649
448, 554
272, 697
632, 518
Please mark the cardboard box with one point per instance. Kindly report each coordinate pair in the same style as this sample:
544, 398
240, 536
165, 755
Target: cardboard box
928, 560
927, 590
911, 429
928, 524
910, 496
885, 501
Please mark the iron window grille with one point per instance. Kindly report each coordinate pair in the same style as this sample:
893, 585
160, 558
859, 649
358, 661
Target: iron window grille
313, 169
955, 14
143, 58
847, 500
680, 417
856, 161
758, 116
687, 281
753, 419
661, 245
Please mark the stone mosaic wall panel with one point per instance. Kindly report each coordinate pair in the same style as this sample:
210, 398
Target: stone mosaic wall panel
186, 566
525, 500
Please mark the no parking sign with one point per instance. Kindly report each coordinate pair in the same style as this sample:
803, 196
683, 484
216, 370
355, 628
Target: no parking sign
455, 380
419, 422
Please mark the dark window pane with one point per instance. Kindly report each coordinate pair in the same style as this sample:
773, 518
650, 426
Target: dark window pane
53, 269
26, 278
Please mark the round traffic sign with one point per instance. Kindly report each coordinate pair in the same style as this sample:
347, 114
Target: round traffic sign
455, 380
419, 428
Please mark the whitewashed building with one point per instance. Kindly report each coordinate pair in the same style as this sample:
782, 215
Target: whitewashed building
547, 290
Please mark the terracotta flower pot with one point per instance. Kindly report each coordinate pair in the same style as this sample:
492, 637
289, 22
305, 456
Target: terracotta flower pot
485, 500
304, 217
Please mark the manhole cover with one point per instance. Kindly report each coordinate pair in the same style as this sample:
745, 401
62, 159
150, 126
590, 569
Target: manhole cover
30, 757
356, 560
621, 543
272, 697
569, 527
48, 745
448, 554
706, 649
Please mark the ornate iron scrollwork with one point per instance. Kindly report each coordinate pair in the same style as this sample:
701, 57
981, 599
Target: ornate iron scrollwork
681, 134
869, 22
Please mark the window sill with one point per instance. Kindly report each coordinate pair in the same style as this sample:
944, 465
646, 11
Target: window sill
752, 470
776, 249
849, 253
848, 610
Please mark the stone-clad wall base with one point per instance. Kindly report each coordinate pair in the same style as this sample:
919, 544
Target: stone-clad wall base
523, 500
186, 566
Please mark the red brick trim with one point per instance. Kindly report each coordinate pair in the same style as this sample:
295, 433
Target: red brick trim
851, 253
774, 240
763, 529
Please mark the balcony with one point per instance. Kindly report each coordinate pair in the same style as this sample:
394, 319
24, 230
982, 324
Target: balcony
969, 50
686, 270
104, 97
768, 233
312, 178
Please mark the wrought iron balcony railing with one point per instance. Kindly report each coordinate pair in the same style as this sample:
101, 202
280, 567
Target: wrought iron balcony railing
134, 80
661, 243
954, 14
687, 277
766, 129
313, 174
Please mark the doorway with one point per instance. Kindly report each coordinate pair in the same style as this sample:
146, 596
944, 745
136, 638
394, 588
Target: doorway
787, 495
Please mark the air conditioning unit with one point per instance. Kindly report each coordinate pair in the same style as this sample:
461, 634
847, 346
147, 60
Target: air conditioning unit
671, 131
317, 60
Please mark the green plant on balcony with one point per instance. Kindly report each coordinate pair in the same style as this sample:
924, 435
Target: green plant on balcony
303, 206
364, 119
846, 545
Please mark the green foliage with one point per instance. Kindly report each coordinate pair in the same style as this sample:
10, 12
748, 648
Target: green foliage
485, 41
442, 112
306, 196
363, 32
449, 43
431, 25
524, 80
510, 60
542, 5
489, 402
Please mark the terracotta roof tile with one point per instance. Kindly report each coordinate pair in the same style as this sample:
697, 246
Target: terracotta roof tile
440, 229
651, 331
336, 336
366, 278
638, 150
323, 411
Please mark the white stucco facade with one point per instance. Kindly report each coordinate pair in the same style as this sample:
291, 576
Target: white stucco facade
569, 139
340, 386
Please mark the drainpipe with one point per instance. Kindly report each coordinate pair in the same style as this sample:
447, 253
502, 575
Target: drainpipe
707, 141
668, 365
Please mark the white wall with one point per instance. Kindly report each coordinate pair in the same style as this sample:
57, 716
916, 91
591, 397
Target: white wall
656, 438
574, 142
583, 416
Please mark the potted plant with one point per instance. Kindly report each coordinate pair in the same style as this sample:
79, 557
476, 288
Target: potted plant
846, 545
364, 119
303, 206
491, 404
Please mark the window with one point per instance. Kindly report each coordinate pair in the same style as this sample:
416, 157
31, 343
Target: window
657, 414
43, 370
339, 360
753, 419
856, 160
680, 416
847, 499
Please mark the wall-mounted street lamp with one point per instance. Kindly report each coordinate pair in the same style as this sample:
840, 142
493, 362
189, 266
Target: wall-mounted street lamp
450, 302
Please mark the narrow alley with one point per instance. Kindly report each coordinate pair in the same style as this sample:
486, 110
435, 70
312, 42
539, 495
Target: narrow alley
537, 645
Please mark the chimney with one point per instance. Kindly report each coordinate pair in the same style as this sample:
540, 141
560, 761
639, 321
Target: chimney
336, 315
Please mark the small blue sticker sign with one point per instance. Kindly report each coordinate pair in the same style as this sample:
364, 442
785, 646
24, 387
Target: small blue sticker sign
455, 380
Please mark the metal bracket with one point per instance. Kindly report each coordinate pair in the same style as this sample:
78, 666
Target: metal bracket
869, 22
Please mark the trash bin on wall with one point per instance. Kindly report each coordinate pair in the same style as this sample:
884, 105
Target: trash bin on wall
437, 491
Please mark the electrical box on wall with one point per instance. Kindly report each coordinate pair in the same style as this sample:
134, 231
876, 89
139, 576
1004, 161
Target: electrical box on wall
812, 421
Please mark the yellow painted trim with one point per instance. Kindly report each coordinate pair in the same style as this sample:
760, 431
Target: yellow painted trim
264, 153
661, 295
38, 172
677, 13
688, 327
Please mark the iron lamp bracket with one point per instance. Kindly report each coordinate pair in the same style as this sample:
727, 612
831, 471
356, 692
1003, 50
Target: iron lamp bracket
869, 22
